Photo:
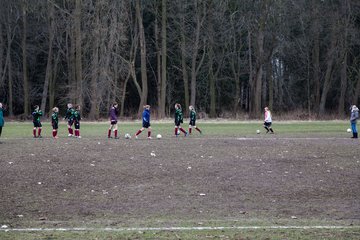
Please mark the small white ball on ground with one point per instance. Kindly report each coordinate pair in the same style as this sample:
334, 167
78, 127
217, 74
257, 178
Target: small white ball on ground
258, 131
158, 136
127, 136
348, 130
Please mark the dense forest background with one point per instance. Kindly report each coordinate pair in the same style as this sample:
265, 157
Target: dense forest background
229, 58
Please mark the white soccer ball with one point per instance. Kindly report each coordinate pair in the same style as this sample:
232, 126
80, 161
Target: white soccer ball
158, 136
127, 136
348, 130
258, 131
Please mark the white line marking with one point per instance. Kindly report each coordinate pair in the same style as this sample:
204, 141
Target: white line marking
171, 228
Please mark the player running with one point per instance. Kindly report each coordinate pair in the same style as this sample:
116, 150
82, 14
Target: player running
179, 120
55, 121
37, 113
193, 120
145, 122
113, 120
268, 121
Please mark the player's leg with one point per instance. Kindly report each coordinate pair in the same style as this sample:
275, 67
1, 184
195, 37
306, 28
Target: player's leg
270, 128
198, 129
39, 129
190, 128
115, 129
354, 130
109, 130
185, 132
0, 131
139, 131
266, 127
70, 123
149, 132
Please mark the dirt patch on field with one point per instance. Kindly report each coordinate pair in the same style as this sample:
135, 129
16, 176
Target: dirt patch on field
126, 182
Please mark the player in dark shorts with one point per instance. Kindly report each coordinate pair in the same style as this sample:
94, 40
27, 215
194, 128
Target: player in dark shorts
55, 121
36, 114
192, 123
70, 117
77, 118
179, 120
113, 120
145, 122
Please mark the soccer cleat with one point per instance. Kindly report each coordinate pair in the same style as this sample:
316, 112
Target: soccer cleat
56, 137
186, 134
136, 137
79, 136
39, 136
70, 135
149, 137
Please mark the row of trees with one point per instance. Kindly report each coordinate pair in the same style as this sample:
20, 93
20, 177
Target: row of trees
225, 56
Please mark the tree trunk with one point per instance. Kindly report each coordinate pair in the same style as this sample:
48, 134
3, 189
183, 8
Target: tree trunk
10, 79
158, 61
163, 57
94, 109
316, 64
144, 83
328, 73
251, 73
48, 73
194, 57
52, 83
24, 59
357, 90
183, 62
271, 86
78, 54
2, 46
343, 71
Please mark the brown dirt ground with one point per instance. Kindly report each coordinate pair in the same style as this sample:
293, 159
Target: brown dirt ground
175, 180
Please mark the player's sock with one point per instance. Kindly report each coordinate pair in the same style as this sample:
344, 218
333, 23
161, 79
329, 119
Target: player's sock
34, 132
138, 132
190, 130
149, 134
39, 131
198, 129
116, 133
54, 133
272, 131
181, 129
109, 133
176, 131
267, 129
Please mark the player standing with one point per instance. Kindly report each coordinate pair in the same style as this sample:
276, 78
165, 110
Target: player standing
55, 121
77, 118
268, 120
70, 117
113, 120
353, 118
179, 120
37, 113
192, 123
2, 122
145, 122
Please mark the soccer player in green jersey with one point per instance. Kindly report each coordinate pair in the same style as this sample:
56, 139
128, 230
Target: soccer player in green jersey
55, 121
70, 117
77, 118
37, 113
179, 120
192, 123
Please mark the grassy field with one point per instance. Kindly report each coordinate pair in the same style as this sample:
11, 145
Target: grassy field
305, 175
213, 128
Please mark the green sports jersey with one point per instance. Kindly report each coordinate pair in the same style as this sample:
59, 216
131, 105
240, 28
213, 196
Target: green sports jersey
70, 114
36, 115
192, 115
77, 116
178, 115
54, 118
